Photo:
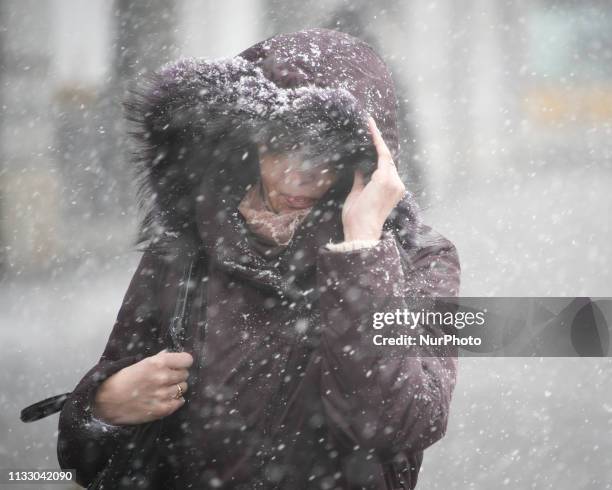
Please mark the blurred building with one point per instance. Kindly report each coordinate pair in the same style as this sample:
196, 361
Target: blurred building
29, 190
486, 88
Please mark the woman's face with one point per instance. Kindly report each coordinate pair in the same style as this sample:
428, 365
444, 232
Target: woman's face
293, 182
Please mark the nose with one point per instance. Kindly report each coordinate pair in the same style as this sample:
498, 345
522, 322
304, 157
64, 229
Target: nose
299, 177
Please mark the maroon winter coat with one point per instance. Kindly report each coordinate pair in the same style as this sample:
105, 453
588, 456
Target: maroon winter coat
287, 389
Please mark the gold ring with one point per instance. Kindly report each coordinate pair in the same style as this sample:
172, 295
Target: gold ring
179, 392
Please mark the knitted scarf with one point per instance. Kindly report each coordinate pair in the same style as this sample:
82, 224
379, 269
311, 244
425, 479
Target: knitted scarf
270, 232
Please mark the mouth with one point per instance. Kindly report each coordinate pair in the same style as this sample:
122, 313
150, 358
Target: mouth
298, 202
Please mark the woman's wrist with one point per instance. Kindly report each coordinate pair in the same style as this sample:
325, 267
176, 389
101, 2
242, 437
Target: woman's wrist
349, 246
98, 415
361, 235
98, 407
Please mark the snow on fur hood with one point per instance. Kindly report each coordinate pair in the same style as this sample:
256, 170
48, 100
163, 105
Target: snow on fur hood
197, 121
278, 400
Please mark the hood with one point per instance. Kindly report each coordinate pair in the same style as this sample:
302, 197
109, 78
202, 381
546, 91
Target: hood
196, 120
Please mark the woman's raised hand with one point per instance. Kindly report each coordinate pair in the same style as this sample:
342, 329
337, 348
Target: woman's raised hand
368, 205
144, 391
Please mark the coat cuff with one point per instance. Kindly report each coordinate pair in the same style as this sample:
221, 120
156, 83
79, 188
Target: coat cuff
97, 424
78, 410
357, 283
351, 245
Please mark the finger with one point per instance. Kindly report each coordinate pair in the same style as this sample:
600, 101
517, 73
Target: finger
172, 376
176, 360
168, 407
385, 159
381, 147
358, 180
172, 391
174, 404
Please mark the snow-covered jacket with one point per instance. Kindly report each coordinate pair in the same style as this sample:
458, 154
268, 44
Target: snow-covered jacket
287, 389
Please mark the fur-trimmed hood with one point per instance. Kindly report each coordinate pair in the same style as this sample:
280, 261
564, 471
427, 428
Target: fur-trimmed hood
286, 389
196, 121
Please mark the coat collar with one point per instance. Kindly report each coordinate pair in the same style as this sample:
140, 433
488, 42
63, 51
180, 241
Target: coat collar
223, 232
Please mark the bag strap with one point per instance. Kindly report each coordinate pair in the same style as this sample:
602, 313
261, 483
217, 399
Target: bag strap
397, 472
176, 331
187, 287
144, 441
43, 408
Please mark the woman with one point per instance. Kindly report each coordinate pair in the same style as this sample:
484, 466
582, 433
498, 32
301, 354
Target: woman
276, 170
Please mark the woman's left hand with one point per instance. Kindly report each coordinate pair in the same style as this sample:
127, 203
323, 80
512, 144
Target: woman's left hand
368, 205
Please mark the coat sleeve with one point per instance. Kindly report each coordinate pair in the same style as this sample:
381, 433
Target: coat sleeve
84, 442
384, 399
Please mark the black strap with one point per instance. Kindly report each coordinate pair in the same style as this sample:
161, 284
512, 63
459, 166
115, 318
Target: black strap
43, 408
187, 286
137, 464
176, 333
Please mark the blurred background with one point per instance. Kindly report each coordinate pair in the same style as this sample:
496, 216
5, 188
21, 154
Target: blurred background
506, 121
